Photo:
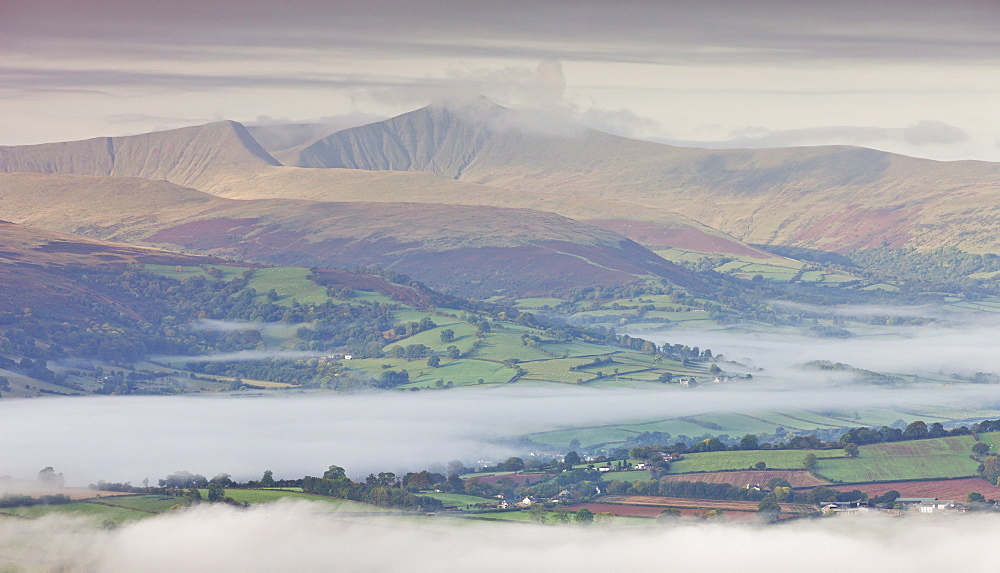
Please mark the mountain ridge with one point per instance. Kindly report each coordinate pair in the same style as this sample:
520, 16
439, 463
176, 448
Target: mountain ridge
187, 156
483, 250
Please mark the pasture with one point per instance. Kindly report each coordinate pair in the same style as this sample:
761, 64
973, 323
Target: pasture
290, 283
917, 459
738, 460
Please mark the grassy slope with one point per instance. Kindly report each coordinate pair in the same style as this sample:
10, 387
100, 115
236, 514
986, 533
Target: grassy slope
937, 458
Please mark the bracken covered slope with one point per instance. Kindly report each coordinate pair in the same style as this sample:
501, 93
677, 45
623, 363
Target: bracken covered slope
471, 250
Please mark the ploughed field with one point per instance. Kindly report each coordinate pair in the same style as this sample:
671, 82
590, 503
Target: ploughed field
693, 503
955, 489
800, 478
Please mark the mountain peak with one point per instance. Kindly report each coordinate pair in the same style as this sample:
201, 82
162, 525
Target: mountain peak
185, 156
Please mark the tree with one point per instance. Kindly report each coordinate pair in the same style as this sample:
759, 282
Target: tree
537, 512
916, 431
193, 495
887, 498
980, 449
335, 473
50, 478
434, 361
513, 464
749, 442
216, 492
447, 335
560, 517
760, 465
809, 461
782, 493
268, 479
768, 509
851, 450
669, 515
572, 459
584, 516
455, 467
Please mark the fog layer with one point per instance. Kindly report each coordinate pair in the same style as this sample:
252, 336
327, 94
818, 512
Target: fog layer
131, 438
299, 537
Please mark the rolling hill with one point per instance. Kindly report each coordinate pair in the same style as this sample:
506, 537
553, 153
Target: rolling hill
38, 271
471, 250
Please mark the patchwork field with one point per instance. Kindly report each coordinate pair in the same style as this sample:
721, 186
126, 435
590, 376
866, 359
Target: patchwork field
918, 459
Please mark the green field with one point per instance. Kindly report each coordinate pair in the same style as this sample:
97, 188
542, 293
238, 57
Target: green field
462, 372
117, 509
717, 461
457, 499
290, 283
465, 336
916, 459
992, 439
94, 513
253, 496
635, 475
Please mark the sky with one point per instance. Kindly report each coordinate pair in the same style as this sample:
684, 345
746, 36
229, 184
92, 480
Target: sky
911, 76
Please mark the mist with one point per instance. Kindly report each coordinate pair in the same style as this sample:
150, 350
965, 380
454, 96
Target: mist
920, 350
129, 438
303, 537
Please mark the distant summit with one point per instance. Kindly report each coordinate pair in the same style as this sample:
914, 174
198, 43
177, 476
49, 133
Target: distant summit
440, 138
188, 156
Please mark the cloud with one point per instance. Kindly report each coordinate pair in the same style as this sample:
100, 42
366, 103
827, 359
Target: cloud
933, 133
923, 133
934, 352
684, 31
218, 538
299, 433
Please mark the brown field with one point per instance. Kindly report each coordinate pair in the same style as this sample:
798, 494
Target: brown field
741, 479
652, 512
955, 489
692, 503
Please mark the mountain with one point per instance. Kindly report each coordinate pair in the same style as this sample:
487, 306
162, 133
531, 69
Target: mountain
835, 198
190, 156
471, 250
439, 139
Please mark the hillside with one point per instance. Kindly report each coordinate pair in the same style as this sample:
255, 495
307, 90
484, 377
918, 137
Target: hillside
470, 250
38, 268
190, 156
650, 226
834, 198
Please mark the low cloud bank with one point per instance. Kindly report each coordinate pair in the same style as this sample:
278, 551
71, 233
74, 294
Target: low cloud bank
903, 350
134, 437
301, 537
